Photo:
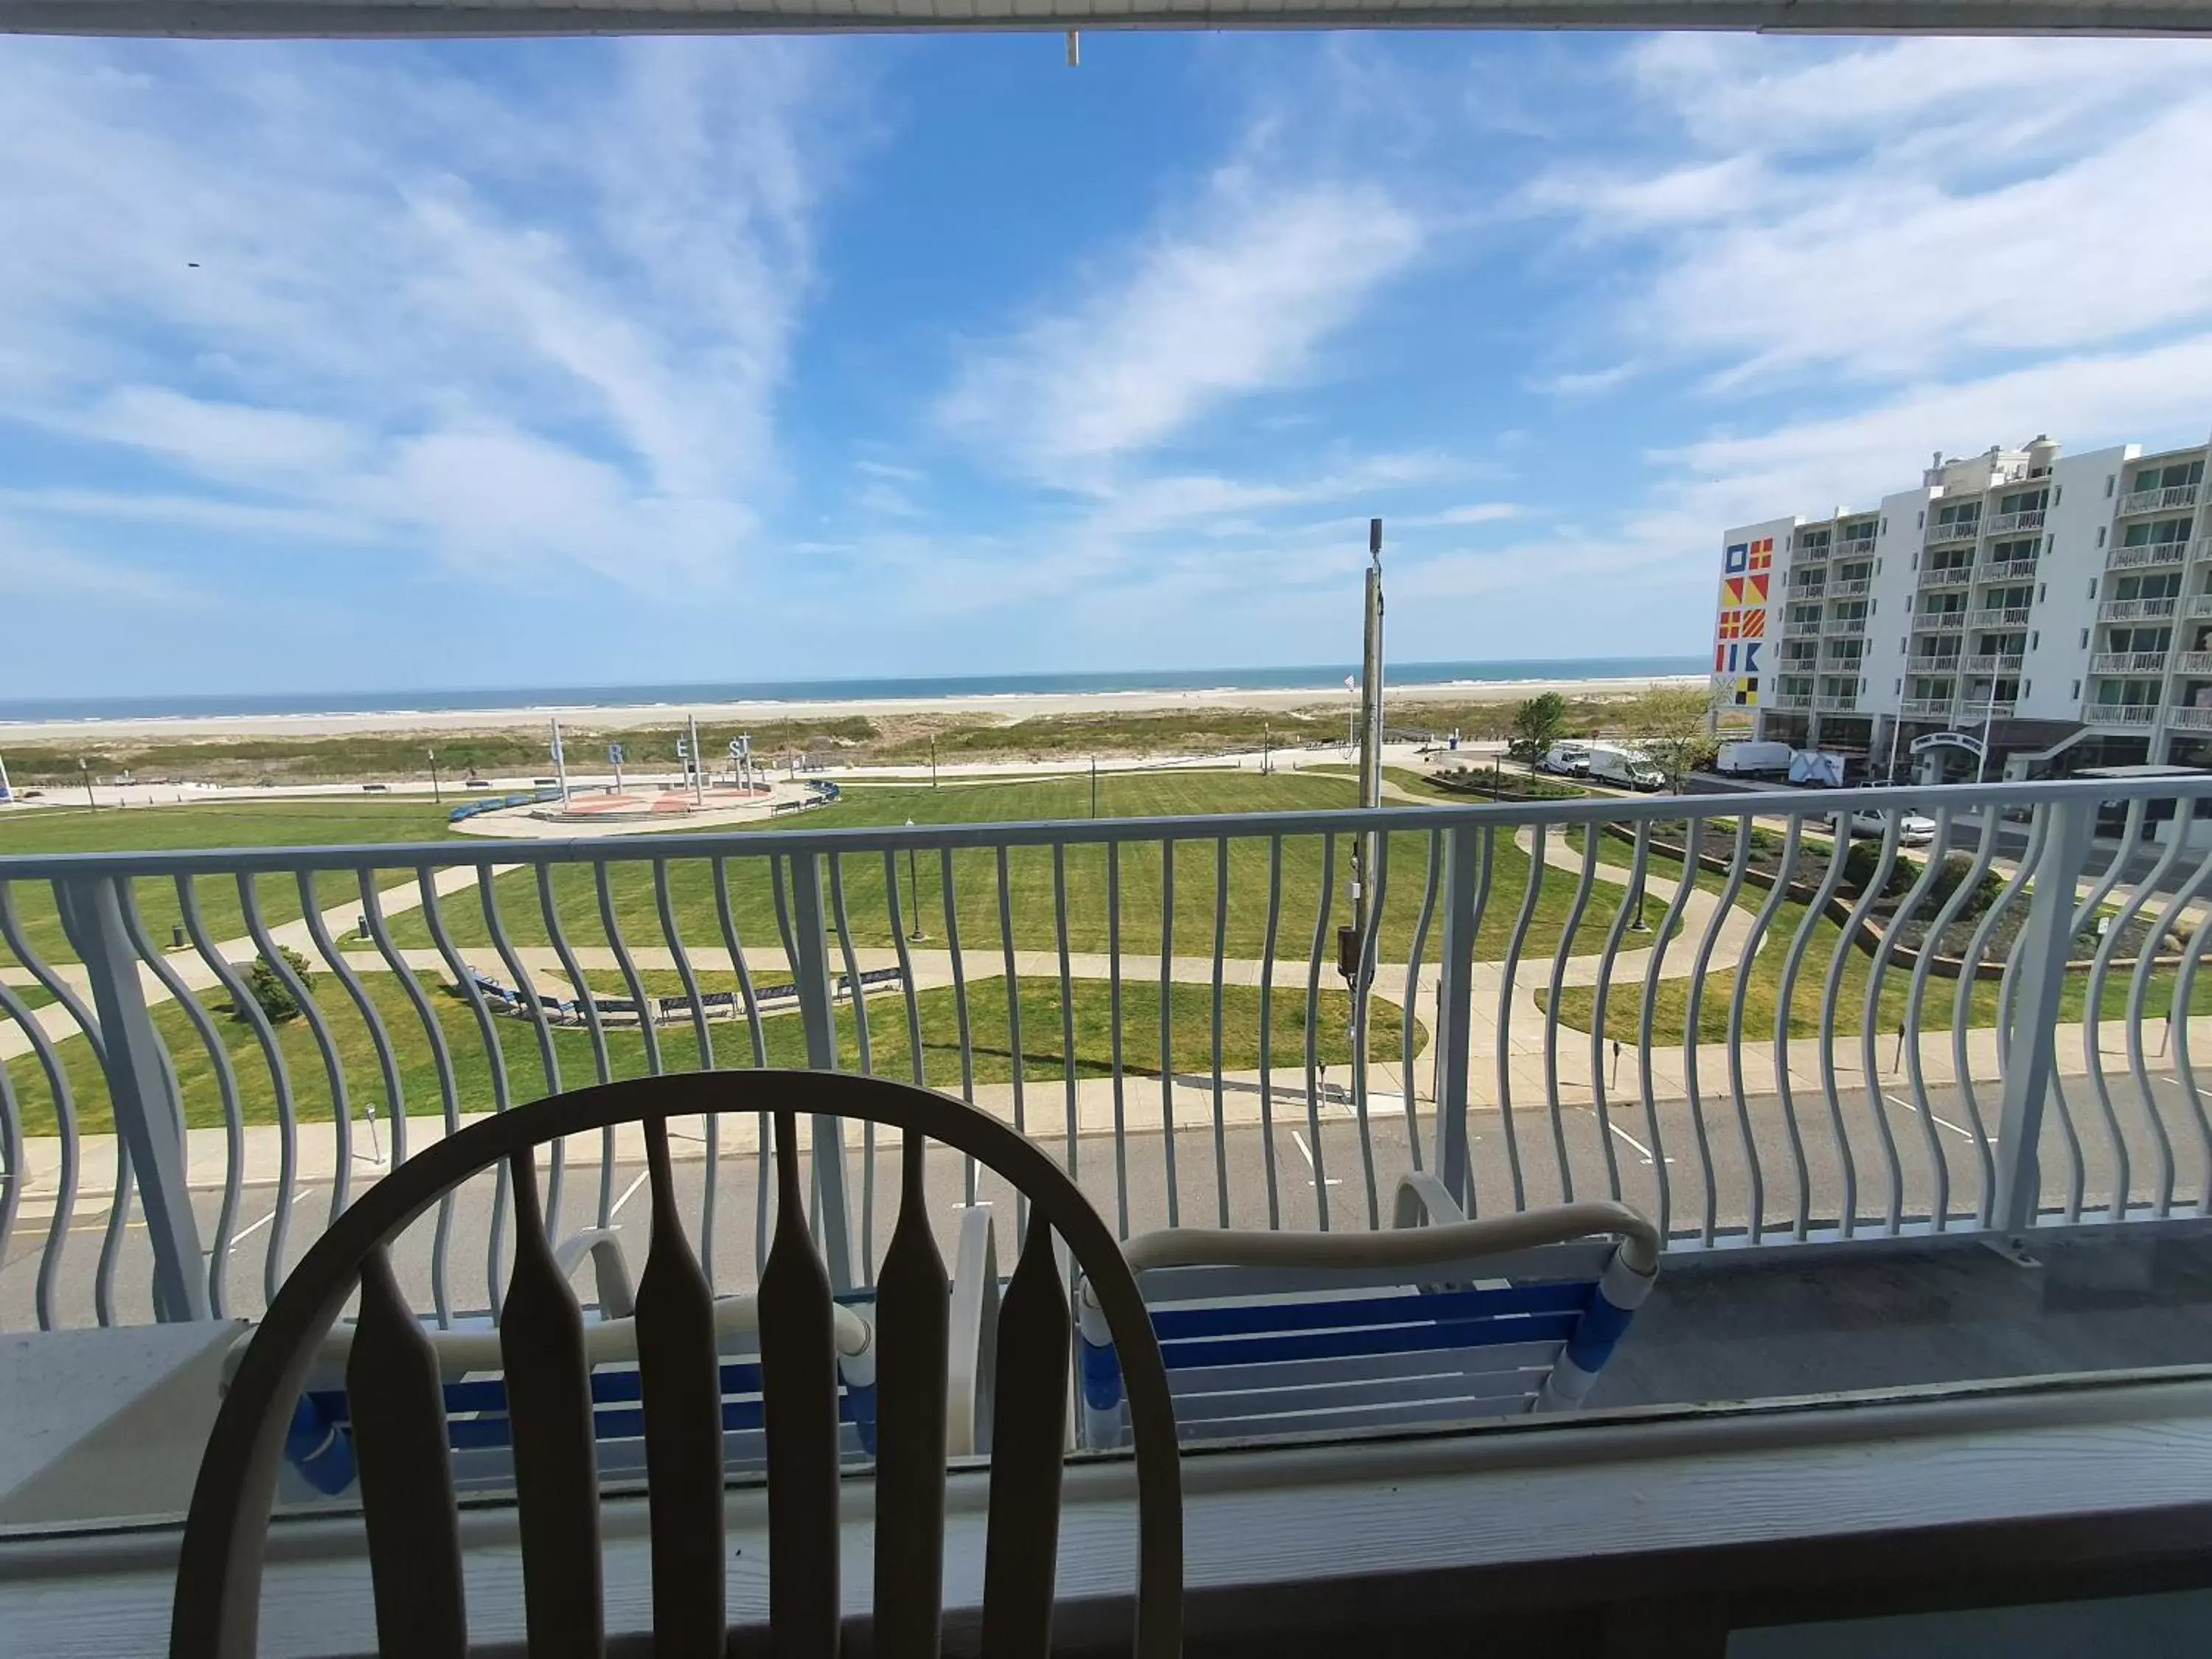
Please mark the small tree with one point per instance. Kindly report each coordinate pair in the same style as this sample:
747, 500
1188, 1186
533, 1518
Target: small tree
1674, 729
1537, 724
270, 994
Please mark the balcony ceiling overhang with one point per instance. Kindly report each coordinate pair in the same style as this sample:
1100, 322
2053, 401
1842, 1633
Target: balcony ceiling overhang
387, 18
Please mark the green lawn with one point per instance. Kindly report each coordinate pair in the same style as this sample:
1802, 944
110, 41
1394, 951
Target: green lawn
1189, 1015
334, 823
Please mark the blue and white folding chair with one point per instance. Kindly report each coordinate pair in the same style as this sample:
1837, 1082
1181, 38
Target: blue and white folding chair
1437, 1319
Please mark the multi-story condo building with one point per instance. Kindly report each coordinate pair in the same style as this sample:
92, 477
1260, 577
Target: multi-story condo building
2061, 606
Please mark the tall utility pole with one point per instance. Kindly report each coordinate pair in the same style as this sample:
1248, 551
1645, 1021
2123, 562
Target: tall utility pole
560, 763
698, 761
437, 794
1352, 940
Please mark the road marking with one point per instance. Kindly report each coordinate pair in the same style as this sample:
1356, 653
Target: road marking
629, 1193
1306, 1153
239, 1237
1631, 1140
1935, 1117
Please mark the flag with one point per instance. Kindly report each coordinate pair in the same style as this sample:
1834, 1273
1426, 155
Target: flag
1732, 591
1762, 555
1733, 563
1746, 693
1731, 623
1753, 625
1756, 586
1750, 664
1350, 684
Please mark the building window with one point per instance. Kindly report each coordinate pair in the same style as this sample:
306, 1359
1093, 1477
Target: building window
2093, 587
2036, 639
1900, 689
1920, 520
2108, 486
1916, 561
1862, 685
2027, 686
2077, 692
2085, 638
2058, 495
1877, 567
1885, 527
2100, 535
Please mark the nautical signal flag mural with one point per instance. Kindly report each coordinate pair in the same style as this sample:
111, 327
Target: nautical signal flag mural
1738, 658
1746, 693
1743, 558
1743, 590
1749, 623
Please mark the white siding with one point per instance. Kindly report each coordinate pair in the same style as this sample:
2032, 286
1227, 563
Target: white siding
2057, 661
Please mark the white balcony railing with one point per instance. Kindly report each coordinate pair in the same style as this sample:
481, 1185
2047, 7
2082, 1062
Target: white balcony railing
1800, 626
2125, 610
1851, 587
2193, 662
2119, 714
2190, 719
2128, 662
2004, 523
1837, 703
1964, 530
1955, 575
1926, 708
1843, 625
2005, 664
2159, 500
2200, 605
2005, 570
1790, 700
2143, 554
1939, 622
1804, 553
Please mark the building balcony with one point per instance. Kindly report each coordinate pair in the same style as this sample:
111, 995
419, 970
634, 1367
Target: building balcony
2005, 522
2126, 662
2200, 605
1788, 701
2125, 610
1807, 585
1849, 588
1856, 547
1939, 621
1941, 535
1926, 708
1935, 1355
2014, 616
1800, 626
2005, 570
2119, 714
2159, 500
2144, 554
2190, 719
1956, 575
1843, 625
1809, 554
2193, 662
2007, 663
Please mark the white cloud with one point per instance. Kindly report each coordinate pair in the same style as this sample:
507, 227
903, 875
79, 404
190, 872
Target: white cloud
1235, 294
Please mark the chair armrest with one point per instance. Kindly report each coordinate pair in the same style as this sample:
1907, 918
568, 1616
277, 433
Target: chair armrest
610, 1270
1423, 1201
1399, 1247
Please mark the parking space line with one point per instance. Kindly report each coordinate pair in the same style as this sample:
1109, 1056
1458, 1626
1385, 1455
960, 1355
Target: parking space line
1933, 1117
1306, 1153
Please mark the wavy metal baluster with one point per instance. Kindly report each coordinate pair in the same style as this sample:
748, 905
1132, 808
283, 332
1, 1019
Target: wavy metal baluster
318, 1028
1693, 1009
762, 1139
548, 1057
711, 1125
13, 1176
1267, 1030
1755, 1219
1870, 1034
1485, 847
245, 1007
2092, 1022
488, 1030
1114, 1030
1013, 1020
1067, 1006
397, 1409
912, 1316
895, 916
1830, 996
1362, 1008
1916, 998
1409, 1023
1568, 929
1220, 1105
1631, 901
633, 982
386, 1060
959, 1005
549, 1406
2138, 995
1029, 1432
65, 1126
867, 1064
1320, 1171
119, 1203
1509, 972
218, 1263
1167, 1027
2084, 913
1962, 1007
799, 1391
587, 1005
1784, 1002
1694, 830
680, 1386
2184, 986
441, 1060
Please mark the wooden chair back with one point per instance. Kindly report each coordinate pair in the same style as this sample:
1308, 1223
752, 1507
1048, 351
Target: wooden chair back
400, 1433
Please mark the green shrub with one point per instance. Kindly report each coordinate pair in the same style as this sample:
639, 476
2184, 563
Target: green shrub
1952, 871
270, 994
1864, 858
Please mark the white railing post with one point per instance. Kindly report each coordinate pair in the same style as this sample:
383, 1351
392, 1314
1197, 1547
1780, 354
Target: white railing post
817, 1011
1454, 1010
2029, 1029
149, 1118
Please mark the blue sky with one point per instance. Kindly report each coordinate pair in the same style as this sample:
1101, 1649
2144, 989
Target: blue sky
326, 367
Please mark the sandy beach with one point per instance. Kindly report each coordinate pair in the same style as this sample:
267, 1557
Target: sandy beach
1008, 708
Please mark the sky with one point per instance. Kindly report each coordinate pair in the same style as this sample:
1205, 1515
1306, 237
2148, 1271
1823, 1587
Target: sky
351, 366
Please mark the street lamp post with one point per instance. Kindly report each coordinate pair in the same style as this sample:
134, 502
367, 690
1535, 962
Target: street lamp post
914, 886
84, 771
437, 794
933, 762
1094, 785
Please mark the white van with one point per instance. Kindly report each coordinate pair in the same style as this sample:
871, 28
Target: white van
1568, 760
1624, 769
1749, 760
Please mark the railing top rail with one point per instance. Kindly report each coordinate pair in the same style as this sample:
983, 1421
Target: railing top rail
752, 843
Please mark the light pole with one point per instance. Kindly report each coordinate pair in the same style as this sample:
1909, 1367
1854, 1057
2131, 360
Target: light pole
84, 771
1989, 719
932, 761
914, 886
1094, 785
437, 794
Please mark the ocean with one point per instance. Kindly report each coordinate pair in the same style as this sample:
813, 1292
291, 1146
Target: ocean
1310, 675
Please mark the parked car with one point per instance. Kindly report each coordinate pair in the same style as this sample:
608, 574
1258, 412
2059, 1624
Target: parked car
1567, 759
1624, 769
1869, 825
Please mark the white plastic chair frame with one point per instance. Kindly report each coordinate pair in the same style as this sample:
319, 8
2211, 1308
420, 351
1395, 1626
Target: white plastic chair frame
216, 1609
